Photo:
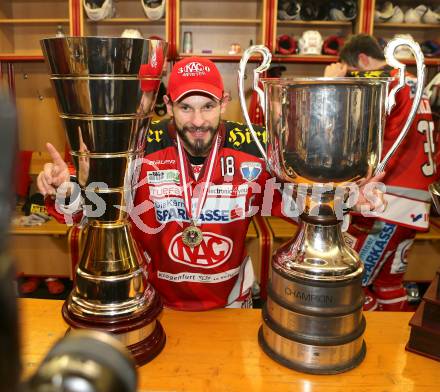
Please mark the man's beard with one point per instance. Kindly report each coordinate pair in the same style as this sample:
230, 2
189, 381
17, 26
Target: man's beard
198, 148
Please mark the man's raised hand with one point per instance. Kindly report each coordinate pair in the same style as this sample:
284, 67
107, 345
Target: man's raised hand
54, 173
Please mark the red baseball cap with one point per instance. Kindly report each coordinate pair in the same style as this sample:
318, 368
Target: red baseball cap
195, 74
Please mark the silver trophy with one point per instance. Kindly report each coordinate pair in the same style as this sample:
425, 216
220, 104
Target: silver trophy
106, 90
323, 134
434, 190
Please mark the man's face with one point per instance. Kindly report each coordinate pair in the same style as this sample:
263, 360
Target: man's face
197, 118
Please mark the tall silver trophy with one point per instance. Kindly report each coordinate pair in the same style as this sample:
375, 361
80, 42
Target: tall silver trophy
106, 90
323, 134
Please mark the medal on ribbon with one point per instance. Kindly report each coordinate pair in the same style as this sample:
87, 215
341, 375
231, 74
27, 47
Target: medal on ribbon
192, 235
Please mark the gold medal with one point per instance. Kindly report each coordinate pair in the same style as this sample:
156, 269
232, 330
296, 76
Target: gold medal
192, 236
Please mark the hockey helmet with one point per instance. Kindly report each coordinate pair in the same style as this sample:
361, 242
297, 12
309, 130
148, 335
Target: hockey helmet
332, 45
310, 42
99, 9
385, 13
403, 51
286, 44
288, 9
131, 33
431, 17
430, 48
309, 10
414, 15
343, 9
154, 9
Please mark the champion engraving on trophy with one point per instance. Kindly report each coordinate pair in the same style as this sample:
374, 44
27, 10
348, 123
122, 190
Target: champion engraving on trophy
308, 297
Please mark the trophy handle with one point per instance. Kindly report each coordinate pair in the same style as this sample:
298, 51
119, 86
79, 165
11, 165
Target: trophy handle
434, 190
267, 57
391, 100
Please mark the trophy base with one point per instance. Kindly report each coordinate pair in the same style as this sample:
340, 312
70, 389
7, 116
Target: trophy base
142, 334
300, 367
309, 353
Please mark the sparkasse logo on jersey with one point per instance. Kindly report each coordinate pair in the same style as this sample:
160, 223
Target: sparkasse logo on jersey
193, 69
213, 251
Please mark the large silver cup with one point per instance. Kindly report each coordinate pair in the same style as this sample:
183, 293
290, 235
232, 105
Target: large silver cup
106, 90
434, 190
322, 134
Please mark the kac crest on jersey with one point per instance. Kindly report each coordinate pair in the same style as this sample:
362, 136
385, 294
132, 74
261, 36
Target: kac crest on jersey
250, 171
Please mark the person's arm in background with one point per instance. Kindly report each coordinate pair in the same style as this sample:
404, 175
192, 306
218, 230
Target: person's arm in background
335, 70
50, 179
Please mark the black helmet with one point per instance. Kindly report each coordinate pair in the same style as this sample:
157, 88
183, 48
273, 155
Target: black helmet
288, 9
309, 10
430, 48
323, 11
343, 9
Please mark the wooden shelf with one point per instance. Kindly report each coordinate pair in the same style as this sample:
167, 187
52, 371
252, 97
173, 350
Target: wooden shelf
321, 23
126, 20
34, 21
220, 21
22, 56
219, 57
51, 227
407, 26
428, 61
277, 58
299, 58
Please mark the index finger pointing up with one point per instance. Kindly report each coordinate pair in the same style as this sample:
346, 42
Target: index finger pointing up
55, 155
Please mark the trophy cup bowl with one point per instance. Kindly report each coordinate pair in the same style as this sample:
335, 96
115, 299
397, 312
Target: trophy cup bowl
106, 90
323, 134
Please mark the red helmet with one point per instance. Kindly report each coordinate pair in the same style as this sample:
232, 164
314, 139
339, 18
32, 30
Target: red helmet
332, 45
286, 44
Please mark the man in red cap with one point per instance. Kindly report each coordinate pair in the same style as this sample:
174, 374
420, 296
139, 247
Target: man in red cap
197, 184
196, 179
201, 181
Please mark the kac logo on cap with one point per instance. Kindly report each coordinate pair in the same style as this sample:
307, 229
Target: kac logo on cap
193, 69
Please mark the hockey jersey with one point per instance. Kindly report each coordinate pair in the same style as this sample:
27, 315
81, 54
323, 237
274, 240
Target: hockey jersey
218, 271
415, 163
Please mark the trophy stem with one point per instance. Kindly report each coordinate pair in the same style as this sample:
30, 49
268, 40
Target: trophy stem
312, 320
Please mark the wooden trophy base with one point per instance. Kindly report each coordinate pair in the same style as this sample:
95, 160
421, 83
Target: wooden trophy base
425, 324
142, 334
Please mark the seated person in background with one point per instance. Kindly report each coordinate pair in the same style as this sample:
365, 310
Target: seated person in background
383, 241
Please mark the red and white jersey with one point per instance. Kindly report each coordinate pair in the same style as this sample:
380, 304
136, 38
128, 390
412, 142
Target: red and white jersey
415, 163
218, 271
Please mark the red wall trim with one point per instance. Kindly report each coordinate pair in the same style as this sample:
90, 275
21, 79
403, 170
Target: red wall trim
367, 26
76, 10
172, 26
11, 78
270, 24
